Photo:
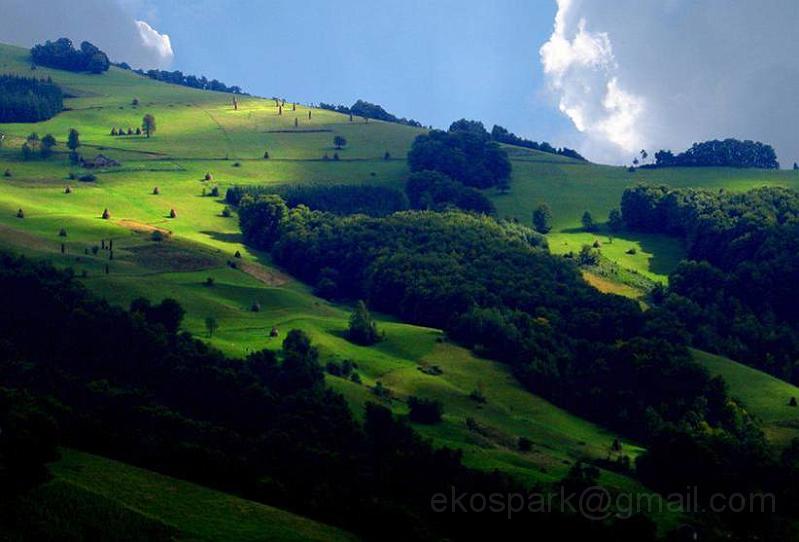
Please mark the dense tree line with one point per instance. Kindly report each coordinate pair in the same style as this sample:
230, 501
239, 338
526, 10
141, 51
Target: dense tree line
24, 99
502, 135
61, 54
362, 108
490, 286
340, 199
128, 385
177, 77
431, 190
727, 153
736, 295
465, 153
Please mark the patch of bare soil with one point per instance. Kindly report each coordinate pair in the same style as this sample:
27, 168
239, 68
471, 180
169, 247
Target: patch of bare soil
270, 277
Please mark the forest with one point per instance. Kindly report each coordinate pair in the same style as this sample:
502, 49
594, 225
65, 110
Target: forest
492, 287
727, 153
62, 54
736, 294
464, 153
339, 199
27, 99
265, 427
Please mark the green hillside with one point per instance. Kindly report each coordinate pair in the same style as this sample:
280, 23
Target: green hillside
93, 496
196, 131
763, 395
200, 132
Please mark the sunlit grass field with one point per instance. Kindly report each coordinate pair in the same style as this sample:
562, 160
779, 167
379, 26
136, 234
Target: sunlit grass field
201, 132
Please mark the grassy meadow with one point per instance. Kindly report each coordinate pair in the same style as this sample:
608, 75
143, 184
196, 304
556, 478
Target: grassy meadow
200, 132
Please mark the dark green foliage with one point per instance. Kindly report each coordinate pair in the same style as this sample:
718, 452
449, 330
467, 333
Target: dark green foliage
362, 329
465, 153
368, 111
427, 411
435, 191
343, 199
615, 221
148, 124
727, 153
62, 54
737, 295
177, 77
588, 256
73, 139
28, 100
339, 142
588, 222
27, 442
88, 178
262, 219
490, 287
542, 218
502, 135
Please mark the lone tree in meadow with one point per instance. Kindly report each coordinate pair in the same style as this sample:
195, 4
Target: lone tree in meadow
211, 325
362, 330
73, 139
588, 222
615, 221
148, 124
339, 142
542, 218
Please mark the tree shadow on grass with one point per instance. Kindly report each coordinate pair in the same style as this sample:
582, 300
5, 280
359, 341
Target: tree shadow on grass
224, 237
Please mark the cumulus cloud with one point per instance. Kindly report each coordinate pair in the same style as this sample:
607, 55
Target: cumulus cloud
106, 23
633, 75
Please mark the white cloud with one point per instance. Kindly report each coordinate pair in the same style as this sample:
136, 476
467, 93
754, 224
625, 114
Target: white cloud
633, 74
158, 43
106, 23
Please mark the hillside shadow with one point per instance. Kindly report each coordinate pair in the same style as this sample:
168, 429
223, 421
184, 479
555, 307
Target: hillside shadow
224, 237
666, 251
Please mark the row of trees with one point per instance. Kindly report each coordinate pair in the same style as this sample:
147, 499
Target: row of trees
715, 153
62, 54
343, 199
367, 110
24, 99
502, 135
177, 77
735, 296
128, 385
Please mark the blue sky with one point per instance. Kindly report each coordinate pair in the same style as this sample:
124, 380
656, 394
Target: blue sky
432, 61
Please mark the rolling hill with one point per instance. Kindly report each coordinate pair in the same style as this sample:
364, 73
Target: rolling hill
200, 134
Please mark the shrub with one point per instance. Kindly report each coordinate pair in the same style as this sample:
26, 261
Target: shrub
215, 192
226, 212
20, 213
88, 178
7, 173
209, 177
362, 329
236, 164
525, 444
427, 411
62, 232
156, 191
172, 213
477, 396
157, 236
255, 307
209, 281
106, 215
67, 189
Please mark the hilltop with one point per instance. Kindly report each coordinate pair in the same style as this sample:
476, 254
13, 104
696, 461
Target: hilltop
205, 144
